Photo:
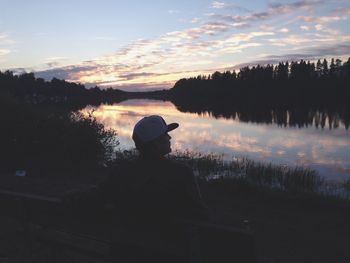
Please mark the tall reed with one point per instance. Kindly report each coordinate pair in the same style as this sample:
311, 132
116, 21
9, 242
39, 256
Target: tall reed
243, 171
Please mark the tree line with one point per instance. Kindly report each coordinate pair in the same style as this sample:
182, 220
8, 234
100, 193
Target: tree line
294, 70
290, 92
26, 87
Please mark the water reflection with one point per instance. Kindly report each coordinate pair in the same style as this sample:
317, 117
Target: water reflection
293, 116
322, 149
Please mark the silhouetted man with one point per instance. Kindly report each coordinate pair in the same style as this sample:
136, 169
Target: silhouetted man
152, 187
153, 193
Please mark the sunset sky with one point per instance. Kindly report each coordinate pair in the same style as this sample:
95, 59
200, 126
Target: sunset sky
136, 45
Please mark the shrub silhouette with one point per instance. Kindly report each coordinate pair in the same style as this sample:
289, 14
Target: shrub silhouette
43, 138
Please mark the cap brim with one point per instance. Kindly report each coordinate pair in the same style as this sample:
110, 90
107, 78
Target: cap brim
172, 126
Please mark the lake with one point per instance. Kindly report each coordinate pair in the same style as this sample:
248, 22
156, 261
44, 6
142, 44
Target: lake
323, 149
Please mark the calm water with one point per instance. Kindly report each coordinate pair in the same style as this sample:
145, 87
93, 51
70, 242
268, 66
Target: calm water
327, 151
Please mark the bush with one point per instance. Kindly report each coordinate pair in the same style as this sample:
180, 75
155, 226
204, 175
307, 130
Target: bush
44, 138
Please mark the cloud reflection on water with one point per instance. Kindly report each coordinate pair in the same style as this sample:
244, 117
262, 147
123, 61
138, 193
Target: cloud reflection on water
322, 149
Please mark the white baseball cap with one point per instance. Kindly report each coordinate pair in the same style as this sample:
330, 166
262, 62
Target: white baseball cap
151, 127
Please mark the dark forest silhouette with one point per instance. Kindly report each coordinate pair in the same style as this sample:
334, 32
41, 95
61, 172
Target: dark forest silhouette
294, 94
289, 94
41, 130
27, 88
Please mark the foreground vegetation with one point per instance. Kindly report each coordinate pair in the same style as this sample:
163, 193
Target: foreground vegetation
246, 173
44, 138
242, 173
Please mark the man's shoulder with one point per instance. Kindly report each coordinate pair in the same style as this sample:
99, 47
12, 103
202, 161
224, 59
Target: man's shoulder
176, 163
178, 166
137, 167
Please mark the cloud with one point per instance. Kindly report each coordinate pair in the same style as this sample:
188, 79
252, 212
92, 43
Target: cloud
5, 46
330, 50
290, 40
320, 20
67, 73
4, 52
241, 144
324, 29
312, 40
273, 10
240, 25
222, 5
195, 20
343, 12
53, 64
238, 48
319, 27
209, 28
336, 50
212, 28
5, 39
55, 61
218, 5
130, 76
141, 63
244, 37
282, 8
231, 44
173, 12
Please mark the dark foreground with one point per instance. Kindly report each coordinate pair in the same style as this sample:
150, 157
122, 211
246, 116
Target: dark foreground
287, 228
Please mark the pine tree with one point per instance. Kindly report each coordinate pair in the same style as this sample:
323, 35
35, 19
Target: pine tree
325, 67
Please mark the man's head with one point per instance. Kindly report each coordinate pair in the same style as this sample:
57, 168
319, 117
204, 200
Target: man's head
151, 136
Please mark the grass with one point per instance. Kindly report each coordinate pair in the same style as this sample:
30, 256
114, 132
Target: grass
242, 172
211, 166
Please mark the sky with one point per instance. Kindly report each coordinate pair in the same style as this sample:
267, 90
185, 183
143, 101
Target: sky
147, 45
